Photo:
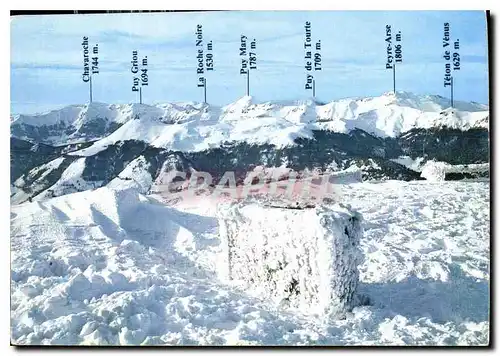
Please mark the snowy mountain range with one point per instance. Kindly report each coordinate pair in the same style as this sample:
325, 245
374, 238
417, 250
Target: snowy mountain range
197, 126
86, 146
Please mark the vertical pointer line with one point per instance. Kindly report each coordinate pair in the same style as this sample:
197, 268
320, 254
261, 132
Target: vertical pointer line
205, 90
140, 95
451, 89
394, 78
248, 82
314, 88
90, 87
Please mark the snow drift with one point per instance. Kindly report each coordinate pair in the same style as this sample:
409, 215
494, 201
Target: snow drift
305, 258
117, 268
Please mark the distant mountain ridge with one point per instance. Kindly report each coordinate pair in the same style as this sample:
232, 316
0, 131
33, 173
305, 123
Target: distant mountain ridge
198, 126
88, 146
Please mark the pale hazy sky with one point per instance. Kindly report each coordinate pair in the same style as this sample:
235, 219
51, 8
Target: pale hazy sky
47, 60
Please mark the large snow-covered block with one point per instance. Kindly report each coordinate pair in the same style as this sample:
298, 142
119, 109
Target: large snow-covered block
303, 257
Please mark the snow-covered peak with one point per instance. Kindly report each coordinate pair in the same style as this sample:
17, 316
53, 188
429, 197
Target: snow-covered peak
428, 103
94, 121
71, 114
243, 102
197, 126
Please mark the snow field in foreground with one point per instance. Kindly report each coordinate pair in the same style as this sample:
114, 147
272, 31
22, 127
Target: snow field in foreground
106, 267
306, 258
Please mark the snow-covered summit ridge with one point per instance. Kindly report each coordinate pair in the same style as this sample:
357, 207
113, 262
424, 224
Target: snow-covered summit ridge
198, 126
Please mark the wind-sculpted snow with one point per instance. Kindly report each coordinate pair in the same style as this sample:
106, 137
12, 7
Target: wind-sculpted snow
116, 267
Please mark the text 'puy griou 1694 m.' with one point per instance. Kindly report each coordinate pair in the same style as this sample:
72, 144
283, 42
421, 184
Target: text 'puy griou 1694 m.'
139, 71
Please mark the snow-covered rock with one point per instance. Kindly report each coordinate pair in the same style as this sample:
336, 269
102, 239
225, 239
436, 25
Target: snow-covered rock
352, 174
436, 171
413, 164
305, 257
135, 175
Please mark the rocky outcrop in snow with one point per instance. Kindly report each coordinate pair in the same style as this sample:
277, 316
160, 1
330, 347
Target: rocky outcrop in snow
435, 171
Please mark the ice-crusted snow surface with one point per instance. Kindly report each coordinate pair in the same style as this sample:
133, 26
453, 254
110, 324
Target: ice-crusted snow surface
303, 257
198, 126
116, 267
